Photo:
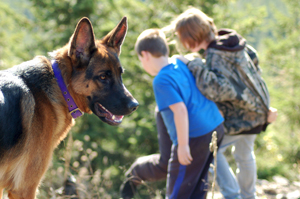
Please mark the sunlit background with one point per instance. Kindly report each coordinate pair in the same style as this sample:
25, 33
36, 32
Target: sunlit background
96, 154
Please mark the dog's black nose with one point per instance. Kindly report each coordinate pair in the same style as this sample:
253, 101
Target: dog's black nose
133, 105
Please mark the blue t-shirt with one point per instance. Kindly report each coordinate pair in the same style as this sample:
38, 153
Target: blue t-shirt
175, 83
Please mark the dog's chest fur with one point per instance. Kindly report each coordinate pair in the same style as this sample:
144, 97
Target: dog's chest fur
28, 92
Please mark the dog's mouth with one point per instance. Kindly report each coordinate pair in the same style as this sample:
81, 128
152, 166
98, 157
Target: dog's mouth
107, 116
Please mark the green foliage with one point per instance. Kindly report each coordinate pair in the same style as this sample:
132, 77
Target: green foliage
12, 32
98, 154
281, 58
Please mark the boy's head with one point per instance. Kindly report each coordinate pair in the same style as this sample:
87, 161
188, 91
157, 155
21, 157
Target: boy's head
153, 41
152, 49
193, 27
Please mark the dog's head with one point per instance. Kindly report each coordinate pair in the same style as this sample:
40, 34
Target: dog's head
96, 72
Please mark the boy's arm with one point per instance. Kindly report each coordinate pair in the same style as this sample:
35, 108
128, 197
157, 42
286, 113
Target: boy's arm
182, 128
212, 84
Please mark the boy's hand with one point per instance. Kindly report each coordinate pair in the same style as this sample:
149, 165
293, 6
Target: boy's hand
272, 115
188, 57
184, 155
181, 58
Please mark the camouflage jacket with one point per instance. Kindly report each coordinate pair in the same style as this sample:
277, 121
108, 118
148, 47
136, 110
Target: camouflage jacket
233, 80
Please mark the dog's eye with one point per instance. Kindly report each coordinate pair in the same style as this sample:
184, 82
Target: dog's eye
103, 77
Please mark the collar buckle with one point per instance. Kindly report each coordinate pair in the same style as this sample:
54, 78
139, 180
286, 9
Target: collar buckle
76, 113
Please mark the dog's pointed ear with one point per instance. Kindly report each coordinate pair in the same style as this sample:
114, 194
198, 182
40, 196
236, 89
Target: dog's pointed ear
82, 43
116, 37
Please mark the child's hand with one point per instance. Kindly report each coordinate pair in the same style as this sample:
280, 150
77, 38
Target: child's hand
181, 58
184, 155
272, 115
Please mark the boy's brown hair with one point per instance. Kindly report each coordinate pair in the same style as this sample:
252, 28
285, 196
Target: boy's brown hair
153, 41
193, 26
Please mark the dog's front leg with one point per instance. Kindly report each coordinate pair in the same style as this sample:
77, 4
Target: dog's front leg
29, 193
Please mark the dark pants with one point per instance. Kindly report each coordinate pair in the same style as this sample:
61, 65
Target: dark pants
190, 181
153, 167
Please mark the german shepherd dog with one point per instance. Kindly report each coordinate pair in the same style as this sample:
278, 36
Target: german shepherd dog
39, 97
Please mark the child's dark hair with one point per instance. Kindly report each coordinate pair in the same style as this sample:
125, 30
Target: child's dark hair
153, 41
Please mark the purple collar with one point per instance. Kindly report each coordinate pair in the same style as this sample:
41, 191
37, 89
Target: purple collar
73, 109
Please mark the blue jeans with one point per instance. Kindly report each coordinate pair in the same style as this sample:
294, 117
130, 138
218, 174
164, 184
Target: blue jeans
241, 185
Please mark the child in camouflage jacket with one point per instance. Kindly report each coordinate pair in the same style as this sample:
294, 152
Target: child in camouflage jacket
229, 77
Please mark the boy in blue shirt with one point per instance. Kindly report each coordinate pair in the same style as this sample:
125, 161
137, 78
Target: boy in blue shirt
189, 116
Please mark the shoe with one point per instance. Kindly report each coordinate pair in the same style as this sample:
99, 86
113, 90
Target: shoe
128, 189
70, 188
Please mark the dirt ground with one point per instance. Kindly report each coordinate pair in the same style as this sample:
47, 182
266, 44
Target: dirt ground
278, 188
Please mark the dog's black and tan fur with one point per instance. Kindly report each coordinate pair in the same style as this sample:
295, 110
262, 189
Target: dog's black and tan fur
34, 116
